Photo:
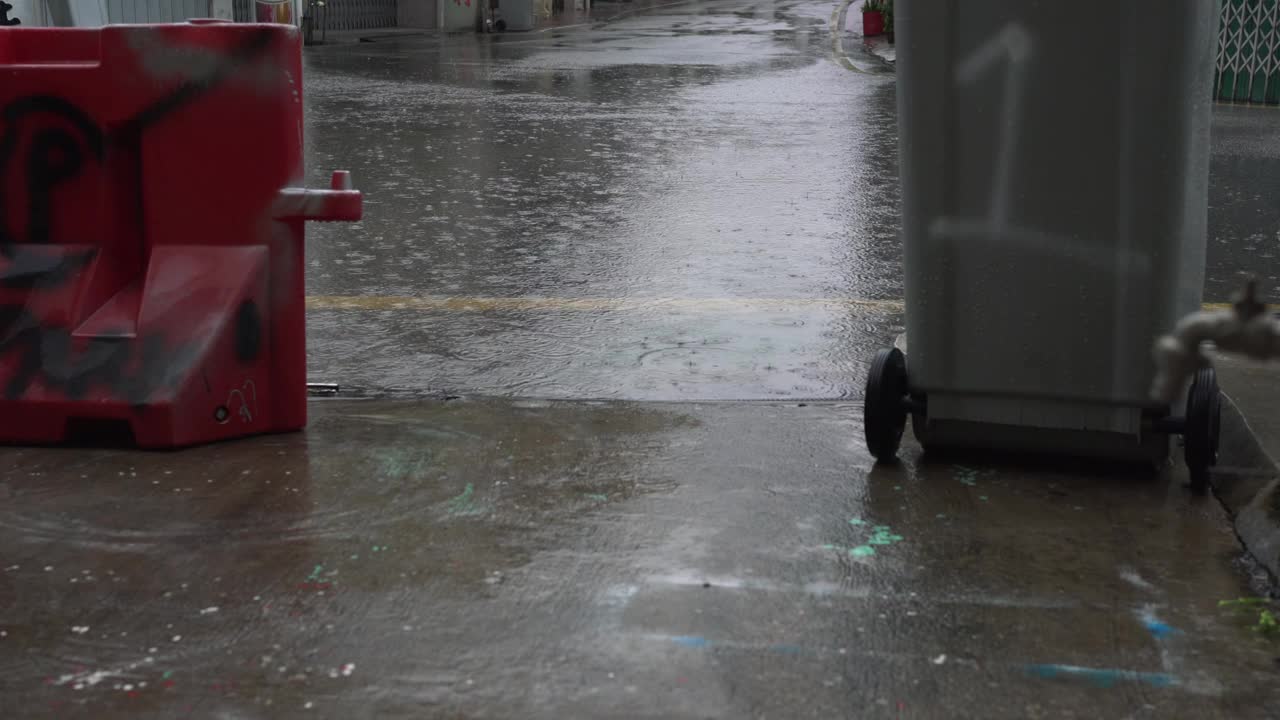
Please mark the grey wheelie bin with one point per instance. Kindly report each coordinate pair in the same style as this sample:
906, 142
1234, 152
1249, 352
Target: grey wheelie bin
1054, 175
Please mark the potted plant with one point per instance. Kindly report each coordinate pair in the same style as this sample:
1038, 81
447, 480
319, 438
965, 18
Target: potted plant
888, 19
872, 18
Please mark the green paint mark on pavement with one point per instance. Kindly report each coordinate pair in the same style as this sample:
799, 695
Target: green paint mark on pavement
465, 496
881, 535
396, 463
884, 535
315, 574
967, 476
463, 503
167, 674
598, 497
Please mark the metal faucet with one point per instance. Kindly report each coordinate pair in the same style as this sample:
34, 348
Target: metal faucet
1246, 328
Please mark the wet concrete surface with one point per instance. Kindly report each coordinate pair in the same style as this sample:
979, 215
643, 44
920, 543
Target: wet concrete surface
698, 202
547, 560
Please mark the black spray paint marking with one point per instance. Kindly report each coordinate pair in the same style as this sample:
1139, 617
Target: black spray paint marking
248, 329
46, 354
5, 20
194, 88
31, 268
127, 138
53, 156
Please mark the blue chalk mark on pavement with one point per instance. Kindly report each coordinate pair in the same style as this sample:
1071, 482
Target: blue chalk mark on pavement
1102, 677
698, 642
1158, 629
692, 641
1154, 625
787, 649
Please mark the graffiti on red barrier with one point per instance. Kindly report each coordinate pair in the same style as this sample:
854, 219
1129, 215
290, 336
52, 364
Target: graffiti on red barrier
45, 143
5, 20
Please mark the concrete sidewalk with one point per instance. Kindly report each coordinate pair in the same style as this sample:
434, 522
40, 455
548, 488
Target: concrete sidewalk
1247, 480
589, 559
882, 48
850, 25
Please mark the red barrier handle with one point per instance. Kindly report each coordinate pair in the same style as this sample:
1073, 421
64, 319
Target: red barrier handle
340, 203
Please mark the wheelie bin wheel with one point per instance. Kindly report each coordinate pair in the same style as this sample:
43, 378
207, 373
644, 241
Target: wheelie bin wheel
885, 409
1203, 424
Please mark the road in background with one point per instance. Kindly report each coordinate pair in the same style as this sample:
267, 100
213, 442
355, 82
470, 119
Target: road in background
674, 205
684, 204
1244, 201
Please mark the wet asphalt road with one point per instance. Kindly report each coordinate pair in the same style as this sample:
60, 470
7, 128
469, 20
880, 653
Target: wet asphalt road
676, 205
694, 202
489, 559
1244, 215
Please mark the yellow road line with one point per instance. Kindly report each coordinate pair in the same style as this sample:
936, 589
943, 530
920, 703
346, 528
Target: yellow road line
486, 304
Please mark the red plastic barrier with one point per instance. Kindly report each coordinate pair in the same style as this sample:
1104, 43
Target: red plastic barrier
151, 237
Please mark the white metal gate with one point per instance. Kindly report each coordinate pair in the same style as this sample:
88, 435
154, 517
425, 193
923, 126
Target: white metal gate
356, 14
155, 11
334, 14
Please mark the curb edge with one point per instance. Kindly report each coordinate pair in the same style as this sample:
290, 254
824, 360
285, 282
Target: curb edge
1249, 489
